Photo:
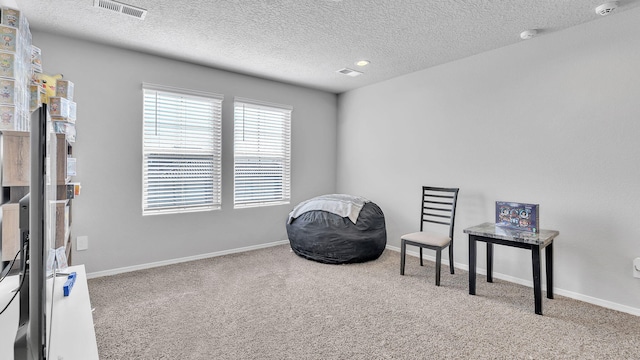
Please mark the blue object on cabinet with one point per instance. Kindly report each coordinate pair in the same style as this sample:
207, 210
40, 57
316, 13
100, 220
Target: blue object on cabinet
69, 284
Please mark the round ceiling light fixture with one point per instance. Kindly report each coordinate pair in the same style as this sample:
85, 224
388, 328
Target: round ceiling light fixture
363, 62
528, 34
606, 8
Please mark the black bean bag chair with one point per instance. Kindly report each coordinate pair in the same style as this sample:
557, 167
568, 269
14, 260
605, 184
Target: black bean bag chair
329, 238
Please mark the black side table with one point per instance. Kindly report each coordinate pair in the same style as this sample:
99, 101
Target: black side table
492, 234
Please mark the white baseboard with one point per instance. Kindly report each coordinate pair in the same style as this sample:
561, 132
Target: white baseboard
181, 260
557, 291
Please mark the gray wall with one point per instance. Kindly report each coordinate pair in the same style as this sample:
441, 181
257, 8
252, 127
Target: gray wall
109, 153
553, 120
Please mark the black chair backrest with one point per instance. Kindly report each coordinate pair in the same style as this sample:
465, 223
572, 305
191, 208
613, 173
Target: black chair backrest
439, 206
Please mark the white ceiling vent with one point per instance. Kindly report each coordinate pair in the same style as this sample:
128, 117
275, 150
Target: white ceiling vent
121, 8
349, 72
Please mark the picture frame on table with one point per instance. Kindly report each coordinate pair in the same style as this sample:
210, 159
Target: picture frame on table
518, 216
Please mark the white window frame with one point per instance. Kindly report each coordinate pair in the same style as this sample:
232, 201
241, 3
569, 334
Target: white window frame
181, 150
262, 153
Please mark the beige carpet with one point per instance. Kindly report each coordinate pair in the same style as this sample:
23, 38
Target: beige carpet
272, 304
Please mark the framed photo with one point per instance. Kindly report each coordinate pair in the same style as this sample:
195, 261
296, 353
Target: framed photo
518, 216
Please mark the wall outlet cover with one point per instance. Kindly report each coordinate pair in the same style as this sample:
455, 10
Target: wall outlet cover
82, 243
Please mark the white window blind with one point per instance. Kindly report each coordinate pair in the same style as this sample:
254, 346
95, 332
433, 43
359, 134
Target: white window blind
262, 153
181, 150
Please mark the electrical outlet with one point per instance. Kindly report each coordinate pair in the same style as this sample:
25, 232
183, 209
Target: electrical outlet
636, 267
82, 243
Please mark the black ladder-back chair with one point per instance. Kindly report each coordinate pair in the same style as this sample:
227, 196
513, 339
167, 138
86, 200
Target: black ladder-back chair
438, 207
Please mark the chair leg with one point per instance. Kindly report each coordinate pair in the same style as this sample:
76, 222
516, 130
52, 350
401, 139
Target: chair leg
403, 251
421, 264
451, 257
438, 261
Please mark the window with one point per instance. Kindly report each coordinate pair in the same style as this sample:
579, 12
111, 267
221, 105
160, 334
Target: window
181, 150
262, 153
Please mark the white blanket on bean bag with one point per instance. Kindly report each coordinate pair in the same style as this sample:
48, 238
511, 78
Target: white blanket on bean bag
340, 204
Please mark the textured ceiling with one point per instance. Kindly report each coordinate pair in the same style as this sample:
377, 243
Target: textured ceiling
305, 42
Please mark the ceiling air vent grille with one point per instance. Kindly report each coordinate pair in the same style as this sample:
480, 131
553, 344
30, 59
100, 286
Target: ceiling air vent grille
349, 72
121, 8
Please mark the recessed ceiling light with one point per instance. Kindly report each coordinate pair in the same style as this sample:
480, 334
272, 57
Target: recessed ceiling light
363, 62
528, 34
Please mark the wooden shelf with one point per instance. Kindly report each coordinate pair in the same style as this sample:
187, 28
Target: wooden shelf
15, 177
62, 223
62, 152
15, 158
10, 231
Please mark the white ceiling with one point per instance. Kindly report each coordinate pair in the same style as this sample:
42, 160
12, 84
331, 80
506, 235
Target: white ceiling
305, 42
